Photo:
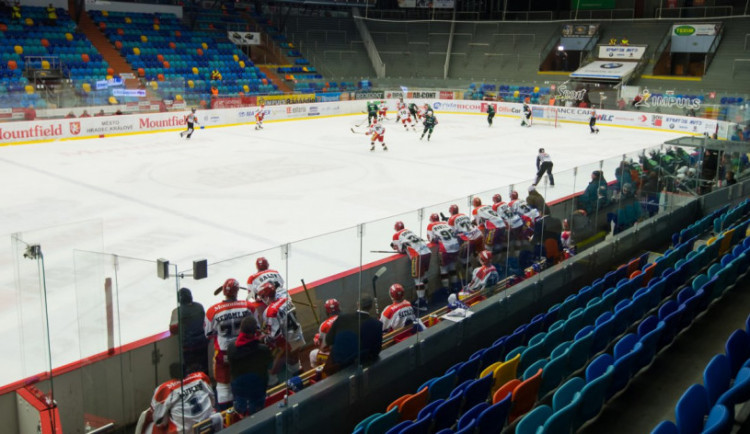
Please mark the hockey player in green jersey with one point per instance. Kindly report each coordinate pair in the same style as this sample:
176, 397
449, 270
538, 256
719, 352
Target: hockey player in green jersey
490, 113
372, 111
429, 124
414, 111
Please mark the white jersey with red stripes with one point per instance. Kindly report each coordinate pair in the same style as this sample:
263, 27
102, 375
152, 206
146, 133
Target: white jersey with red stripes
442, 234
257, 280
401, 106
280, 322
223, 320
325, 327
487, 218
184, 403
464, 228
483, 277
513, 220
528, 214
407, 242
397, 315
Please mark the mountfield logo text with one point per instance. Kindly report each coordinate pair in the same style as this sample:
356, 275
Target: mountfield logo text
31, 132
173, 121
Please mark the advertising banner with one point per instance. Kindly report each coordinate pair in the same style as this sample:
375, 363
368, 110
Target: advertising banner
369, 95
244, 38
580, 30
427, 4
605, 70
692, 30
328, 96
286, 99
631, 52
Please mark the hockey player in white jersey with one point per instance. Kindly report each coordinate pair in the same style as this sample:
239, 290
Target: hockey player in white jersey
377, 134
406, 119
407, 242
441, 234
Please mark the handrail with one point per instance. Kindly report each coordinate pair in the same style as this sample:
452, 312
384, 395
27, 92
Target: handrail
447, 64
372, 51
665, 41
599, 14
660, 11
712, 49
544, 52
589, 47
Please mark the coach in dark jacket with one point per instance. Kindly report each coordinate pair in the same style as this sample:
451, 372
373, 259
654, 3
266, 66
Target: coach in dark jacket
249, 362
354, 334
187, 321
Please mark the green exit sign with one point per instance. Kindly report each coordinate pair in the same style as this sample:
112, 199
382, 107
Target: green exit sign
592, 4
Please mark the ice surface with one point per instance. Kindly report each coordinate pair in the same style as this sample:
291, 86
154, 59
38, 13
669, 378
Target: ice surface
232, 191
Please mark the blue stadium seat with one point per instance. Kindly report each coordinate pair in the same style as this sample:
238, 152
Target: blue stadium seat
737, 350
554, 372
469, 417
739, 392
666, 427
383, 422
602, 332
445, 414
594, 393
719, 421
442, 386
478, 391
494, 417
534, 420
691, 409
716, 377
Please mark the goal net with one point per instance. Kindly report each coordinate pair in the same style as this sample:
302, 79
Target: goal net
544, 115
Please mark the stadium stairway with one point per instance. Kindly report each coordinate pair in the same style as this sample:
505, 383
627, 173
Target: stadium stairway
105, 48
271, 75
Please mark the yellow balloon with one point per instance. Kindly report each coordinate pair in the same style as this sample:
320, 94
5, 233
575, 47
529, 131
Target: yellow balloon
86, 87
536, 89
69, 36
236, 58
29, 89
515, 94
45, 64
242, 63
18, 49
144, 38
112, 100
205, 46
246, 88
154, 85
178, 97
136, 51
191, 84
195, 70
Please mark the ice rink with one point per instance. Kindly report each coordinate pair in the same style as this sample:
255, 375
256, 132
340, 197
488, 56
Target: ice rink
233, 191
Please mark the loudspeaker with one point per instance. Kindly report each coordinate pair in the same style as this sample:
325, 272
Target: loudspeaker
162, 268
200, 269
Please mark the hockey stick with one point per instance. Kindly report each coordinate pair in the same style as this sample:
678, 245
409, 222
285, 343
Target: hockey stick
390, 252
443, 217
219, 289
375, 278
312, 307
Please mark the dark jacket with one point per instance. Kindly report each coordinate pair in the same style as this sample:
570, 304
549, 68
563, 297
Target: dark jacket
191, 316
352, 331
249, 361
536, 200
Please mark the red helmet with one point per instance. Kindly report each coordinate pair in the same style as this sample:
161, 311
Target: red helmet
316, 339
514, 195
374, 121
261, 264
497, 198
453, 209
267, 292
332, 307
434, 217
476, 201
230, 288
397, 292
485, 257
399, 226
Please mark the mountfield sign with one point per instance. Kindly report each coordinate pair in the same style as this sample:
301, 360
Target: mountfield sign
149, 123
10, 132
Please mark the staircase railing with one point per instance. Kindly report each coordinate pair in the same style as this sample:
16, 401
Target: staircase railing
659, 50
712, 49
549, 45
372, 51
447, 64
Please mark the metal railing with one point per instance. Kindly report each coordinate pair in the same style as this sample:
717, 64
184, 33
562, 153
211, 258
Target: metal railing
712, 49
694, 12
601, 14
747, 36
549, 45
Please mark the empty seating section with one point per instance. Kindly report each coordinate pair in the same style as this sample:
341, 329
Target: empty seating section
555, 373
34, 43
412, 50
178, 61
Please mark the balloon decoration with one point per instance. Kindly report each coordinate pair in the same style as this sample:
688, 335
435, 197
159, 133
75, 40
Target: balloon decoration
29, 89
45, 64
86, 87
191, 84
118, 45
69, 36
141, 72
199, 51
85, 57
172, 45
18, 49
144, 39
195, 70
136, 51
45, 43
12, 65
166, 65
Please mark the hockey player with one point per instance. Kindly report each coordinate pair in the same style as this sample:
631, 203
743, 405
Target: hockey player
382, 111
513, 200
408, 243
492, 226
190, 120
377, 134
406, 120
319, 355
262, 276
513, 223
259, 115
282, 332
399, 313
544, 165
414, 112
372, 111
490, 113
440, 233
429, 124
472, 240
485, 276
592, 122
180, 403
497, 200
526, 119
400, 105
223, 324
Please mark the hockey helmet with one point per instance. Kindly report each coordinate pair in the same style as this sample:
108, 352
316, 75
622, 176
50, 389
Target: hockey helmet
332, 307
434, 217
497, 198
261, 264
396, 291
267, 292
399, 226
514, 195
230, 288
485, 257
476, 202
453, 209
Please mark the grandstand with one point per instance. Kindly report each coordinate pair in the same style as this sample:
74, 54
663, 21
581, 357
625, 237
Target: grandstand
610, 339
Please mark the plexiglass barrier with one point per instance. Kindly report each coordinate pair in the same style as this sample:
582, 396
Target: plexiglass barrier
115, 309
